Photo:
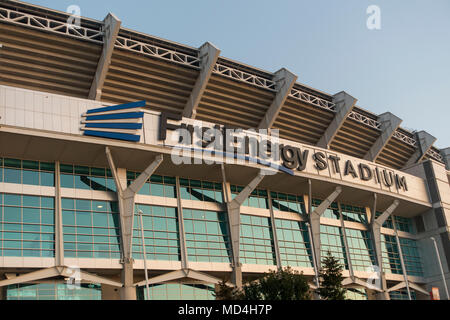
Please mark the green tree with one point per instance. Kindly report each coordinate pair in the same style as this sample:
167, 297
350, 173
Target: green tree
284, 284
330, 278
226, 292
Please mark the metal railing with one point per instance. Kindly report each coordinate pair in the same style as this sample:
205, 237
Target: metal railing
435, 155
406, 139
361, 118
49, 25
244, 77
158, 52
314, 100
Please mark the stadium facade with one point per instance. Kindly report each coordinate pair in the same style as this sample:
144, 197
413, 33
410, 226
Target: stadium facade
91, 168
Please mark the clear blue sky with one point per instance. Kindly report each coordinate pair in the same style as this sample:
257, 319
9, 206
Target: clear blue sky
403, 68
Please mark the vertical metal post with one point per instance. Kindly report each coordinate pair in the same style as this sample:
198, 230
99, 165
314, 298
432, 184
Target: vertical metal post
347, 251
440, 266
405, 275
145, 253
274, 231
316, 264
316, 269
183, 250
59, 240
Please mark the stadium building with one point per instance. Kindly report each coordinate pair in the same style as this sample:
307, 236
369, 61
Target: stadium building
91, 194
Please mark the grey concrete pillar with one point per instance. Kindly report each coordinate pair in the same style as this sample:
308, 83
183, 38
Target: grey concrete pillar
445, 153
234, 221
209, 55
111, 25
389, 124
375, 226
285, 81
126, 196
344, 105
424, 141
314, 220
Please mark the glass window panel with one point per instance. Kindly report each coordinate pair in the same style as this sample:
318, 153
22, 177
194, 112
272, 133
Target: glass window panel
83, 218
157, 190
30, 177
13, 163
47, 166
47, 179
82, 182
12, 175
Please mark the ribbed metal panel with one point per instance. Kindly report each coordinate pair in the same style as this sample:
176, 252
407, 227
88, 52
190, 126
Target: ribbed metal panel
354, 138
237, 104
302, 122
165, 86
395, 154
40, 61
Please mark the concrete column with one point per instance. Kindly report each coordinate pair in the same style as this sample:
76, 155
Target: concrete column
344, 105
389, 124
375, 227
425, 141
128, 291
126, 196
111, 26
314, 221
285, 81
209, 55
436, 224
234, 220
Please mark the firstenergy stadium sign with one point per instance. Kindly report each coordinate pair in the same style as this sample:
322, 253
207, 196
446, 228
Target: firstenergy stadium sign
198, 142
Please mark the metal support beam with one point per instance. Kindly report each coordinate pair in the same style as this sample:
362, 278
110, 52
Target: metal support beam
111, 29
314, 221
58, 272
208, 55
181, 274
402, 285
445, 153
425, 142
389, 124
347, 252
351, 282
126, 197
274, 231
59, 240
234, 221
402, 261
375, 226
284, 82
183, 250
344, 105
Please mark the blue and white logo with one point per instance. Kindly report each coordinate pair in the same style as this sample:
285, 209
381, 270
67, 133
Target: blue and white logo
121, 122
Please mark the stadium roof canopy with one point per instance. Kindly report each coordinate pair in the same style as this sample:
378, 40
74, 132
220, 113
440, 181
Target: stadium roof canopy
103, 61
